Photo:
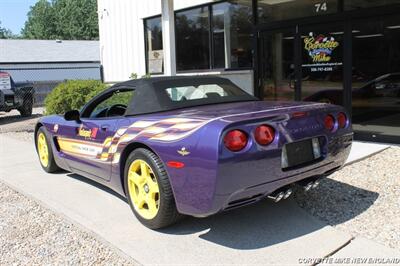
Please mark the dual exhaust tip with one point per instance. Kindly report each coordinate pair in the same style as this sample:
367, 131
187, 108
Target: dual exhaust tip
286, 192
312, 184
280, 194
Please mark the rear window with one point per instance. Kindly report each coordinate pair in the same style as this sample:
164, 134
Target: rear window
203, 91
172, 93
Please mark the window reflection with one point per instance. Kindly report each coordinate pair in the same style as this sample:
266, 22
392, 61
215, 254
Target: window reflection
226, 43
192, 39
376, 87
232, 28
278, 65
154, 46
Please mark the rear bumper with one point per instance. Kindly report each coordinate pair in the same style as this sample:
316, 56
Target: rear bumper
247, 181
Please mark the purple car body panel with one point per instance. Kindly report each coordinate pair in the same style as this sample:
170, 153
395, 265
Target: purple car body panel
215, 178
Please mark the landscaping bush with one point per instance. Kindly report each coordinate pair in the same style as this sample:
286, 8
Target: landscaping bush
72, 95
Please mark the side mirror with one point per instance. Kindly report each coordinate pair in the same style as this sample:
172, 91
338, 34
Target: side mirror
72, 115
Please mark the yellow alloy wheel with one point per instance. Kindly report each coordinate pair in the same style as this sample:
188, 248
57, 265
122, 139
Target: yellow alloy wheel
143, 189
43, 149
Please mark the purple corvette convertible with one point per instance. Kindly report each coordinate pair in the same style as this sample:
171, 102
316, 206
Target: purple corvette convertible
194, 145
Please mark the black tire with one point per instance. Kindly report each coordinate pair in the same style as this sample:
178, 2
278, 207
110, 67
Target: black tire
51, 167
27, 107
167, 213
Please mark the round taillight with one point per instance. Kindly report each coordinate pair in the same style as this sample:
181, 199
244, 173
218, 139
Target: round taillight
235, 140
264, 134
329, 122
342, 120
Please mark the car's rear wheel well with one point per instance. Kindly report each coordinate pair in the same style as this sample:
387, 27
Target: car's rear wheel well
124, 156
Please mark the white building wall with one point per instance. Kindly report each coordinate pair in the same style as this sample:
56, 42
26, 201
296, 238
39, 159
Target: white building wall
122, 49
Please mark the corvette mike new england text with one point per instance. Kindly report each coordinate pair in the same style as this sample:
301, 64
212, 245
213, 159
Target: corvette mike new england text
351, 260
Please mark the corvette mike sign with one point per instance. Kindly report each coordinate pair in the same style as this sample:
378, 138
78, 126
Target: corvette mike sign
321, 52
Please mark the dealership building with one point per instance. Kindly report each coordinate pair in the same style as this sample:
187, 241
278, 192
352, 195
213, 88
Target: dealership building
345, 52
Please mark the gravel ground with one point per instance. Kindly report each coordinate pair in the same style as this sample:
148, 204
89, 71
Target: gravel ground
15, 126
33, 235
12, 123
362, 199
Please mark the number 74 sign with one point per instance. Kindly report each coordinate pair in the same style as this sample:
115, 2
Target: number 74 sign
321, 7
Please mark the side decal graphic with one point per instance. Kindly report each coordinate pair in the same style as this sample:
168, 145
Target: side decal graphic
165, 130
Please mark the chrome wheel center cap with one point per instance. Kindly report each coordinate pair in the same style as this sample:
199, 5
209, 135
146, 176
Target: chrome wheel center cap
146, 188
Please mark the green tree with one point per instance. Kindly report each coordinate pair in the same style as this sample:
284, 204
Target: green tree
76, 19
40, 23
62, 19
5, 33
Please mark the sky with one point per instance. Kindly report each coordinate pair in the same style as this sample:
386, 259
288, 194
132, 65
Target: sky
13, 13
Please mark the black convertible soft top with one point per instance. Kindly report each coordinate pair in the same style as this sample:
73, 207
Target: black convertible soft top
151, 93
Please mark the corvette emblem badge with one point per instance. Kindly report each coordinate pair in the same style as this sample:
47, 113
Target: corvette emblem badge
183, 151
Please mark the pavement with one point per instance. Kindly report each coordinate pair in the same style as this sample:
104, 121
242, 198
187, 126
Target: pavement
362, 251
361, 150
264, 233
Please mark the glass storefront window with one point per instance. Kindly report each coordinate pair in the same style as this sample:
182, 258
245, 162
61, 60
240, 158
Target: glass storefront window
359, 4
232, 33
225, 43
376, 87
276, 10
312, 59
192, 30
154, 45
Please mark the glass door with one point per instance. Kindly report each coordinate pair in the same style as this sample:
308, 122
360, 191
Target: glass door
277, 64
304, 64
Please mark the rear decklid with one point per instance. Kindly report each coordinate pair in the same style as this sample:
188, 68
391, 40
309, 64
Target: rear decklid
244, 110
293, 120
